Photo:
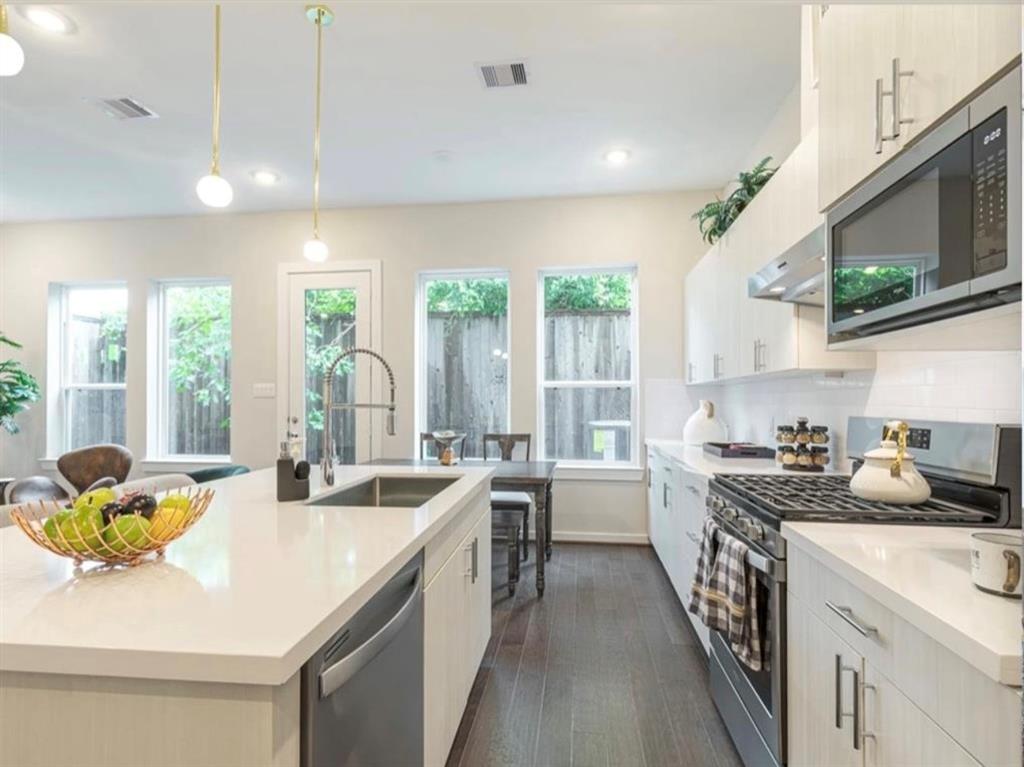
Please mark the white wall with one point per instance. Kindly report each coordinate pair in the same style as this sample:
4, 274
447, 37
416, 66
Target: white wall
980, 387
653, 231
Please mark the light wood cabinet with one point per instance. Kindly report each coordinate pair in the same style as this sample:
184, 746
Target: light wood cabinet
456, 629
946, 52
821, 676
730, 335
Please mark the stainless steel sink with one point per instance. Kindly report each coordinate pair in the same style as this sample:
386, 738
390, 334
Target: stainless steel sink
400, 492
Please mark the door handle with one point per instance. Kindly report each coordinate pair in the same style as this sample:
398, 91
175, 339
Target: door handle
335, 676
476, 559
848, 616
880, 93
840, 714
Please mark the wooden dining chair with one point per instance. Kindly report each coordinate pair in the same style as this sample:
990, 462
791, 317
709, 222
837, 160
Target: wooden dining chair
427, 438
506, 448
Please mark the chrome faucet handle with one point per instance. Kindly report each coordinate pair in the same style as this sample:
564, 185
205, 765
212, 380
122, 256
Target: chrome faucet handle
327, 464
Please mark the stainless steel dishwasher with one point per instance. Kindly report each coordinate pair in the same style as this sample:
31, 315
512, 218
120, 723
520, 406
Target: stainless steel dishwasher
362, 692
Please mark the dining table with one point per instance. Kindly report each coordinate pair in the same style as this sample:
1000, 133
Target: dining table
532, 477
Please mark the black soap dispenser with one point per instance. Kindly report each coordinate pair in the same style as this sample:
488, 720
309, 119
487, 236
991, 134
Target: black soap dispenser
292, 478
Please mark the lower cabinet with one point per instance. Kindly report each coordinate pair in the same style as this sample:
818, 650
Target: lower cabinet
457, 627
843, 713
675, 518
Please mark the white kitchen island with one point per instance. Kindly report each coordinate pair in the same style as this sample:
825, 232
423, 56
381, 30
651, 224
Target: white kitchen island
194, 658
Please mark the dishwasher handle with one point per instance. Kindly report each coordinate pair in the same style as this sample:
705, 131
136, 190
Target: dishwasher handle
335, 676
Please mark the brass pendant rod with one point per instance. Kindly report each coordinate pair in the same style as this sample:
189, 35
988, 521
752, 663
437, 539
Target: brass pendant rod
215, 161
316, 124
3, 19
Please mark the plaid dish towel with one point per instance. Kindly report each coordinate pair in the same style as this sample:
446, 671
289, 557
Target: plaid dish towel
724, 594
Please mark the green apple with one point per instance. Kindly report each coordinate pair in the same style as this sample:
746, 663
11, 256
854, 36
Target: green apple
84, 529
98, 498
127, 530
175, 501
53, 522
167, 519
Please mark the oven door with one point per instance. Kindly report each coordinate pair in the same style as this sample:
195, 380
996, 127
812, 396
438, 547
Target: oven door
753, 703
922, 239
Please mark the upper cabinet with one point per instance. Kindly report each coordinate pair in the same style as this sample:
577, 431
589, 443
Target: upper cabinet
728, 334
888, 72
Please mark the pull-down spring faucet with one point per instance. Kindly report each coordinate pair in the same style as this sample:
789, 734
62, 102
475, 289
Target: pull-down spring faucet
327, 462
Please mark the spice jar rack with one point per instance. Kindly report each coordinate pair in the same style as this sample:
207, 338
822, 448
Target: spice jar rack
802, 447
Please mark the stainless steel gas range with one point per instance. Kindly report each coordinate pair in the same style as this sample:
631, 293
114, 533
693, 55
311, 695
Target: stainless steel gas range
975, 474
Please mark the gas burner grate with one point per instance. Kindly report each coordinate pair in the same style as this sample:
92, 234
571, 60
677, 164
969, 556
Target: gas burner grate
829, 498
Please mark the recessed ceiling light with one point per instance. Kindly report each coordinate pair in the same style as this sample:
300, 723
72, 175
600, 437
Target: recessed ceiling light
265, 177
616, 156
47, 19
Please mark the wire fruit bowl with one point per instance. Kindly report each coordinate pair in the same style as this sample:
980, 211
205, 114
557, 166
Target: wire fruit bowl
123, 543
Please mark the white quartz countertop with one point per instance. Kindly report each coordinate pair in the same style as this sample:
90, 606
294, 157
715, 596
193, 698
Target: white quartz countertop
923, 574
247, 595
694, 457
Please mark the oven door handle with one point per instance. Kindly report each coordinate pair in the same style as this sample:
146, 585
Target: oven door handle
773, 568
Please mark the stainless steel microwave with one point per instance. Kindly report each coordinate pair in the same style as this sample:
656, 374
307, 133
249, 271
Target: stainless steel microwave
937, 232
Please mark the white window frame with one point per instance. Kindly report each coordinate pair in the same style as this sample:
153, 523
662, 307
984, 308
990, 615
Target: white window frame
157, 410
430, 275
633, 383
58, 367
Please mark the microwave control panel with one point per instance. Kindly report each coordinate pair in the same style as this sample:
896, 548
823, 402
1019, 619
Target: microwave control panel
989, 179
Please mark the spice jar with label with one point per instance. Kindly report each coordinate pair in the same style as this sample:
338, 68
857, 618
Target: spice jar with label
819, 435
803, 457
802, 433
785, 435
786, 455
819, 455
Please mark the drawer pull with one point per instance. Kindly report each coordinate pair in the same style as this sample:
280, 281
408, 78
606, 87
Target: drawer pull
847, 615
693, 490
692, 536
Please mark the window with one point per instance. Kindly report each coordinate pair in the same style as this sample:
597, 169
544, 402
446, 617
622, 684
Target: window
92, 344
462, 339
190, 371
587, 338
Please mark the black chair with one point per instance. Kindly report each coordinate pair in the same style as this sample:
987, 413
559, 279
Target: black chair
217, 472
35, 489
507, 445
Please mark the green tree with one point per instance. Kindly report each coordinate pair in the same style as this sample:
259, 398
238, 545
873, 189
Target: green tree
17, 389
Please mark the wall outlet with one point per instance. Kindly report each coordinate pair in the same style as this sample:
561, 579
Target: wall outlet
264, 390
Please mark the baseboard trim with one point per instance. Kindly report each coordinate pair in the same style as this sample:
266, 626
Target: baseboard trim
635, 539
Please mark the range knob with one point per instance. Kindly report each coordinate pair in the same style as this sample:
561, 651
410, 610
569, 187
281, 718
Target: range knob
729, 512
715, 503
755, 530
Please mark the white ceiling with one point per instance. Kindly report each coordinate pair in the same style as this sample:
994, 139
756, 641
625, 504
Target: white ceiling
687, 88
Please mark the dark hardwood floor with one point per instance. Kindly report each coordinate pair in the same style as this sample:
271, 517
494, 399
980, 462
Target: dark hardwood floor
604, 671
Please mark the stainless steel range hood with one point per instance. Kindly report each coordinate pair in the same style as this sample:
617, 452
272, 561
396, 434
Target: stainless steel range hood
797, 276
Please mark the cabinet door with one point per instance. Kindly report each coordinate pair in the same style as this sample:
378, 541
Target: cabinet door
857, 46
822, 692
479, 611
697, 297
653, 502
951, 50
722, 313
896, 732
445, 613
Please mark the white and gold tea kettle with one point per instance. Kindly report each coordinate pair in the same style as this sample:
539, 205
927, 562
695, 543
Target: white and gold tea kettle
888, 473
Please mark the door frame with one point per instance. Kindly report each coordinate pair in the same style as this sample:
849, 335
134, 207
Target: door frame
284, 273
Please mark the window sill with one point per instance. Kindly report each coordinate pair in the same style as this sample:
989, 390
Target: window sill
181, 463
596, 472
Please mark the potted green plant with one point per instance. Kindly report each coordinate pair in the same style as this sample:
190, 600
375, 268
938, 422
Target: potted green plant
715, 218
17, 389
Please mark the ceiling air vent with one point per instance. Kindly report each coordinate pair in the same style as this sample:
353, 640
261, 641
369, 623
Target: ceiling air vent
125, 108
503, 75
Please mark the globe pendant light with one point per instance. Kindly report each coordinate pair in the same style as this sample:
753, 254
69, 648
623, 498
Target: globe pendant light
213, 189
315, 249
12, 57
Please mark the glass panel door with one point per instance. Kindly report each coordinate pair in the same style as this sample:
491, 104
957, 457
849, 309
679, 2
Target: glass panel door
328, 313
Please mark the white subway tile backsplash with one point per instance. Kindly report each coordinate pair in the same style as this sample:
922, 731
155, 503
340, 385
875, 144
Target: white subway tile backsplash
940, 386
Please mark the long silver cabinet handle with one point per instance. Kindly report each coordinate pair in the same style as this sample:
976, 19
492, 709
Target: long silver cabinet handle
897, 115
879, 95
334, 677
847, 615
839, 691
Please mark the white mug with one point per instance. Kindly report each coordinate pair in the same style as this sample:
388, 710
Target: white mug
996, 563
